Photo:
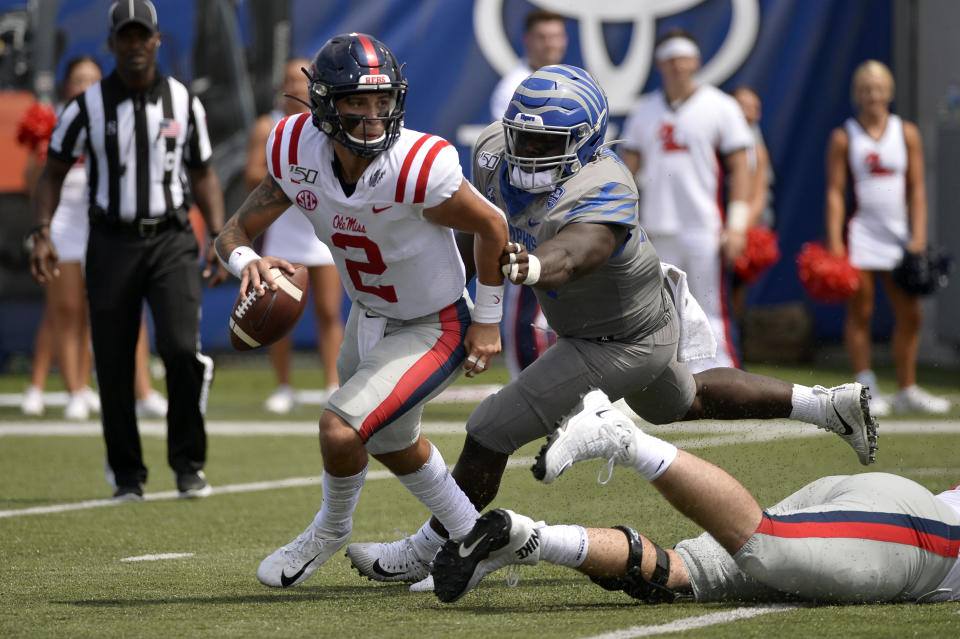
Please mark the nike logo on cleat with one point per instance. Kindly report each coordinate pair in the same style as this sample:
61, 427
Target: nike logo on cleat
464, 551
377, 568
847, 429
289, 581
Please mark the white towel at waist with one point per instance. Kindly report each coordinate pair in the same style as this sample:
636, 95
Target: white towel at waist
697, 340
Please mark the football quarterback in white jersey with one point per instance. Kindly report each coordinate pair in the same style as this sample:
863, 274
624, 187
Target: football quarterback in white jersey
386, 200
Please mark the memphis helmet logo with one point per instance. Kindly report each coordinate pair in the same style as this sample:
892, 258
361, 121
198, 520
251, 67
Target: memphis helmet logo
623, 82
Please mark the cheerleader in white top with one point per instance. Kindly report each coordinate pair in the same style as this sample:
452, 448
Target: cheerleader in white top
883, 156
291, 237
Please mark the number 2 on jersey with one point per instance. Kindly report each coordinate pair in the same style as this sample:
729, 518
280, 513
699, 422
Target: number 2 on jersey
374, 264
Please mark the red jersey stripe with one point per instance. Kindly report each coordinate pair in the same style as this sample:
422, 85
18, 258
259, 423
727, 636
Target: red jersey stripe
295, 136
424, 175
277, 143
862, 530
372, 60
405, 167
417, 374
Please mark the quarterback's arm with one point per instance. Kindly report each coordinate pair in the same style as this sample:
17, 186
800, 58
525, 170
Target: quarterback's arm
265, 204
836, 185
469, 212
575, 251
916, 190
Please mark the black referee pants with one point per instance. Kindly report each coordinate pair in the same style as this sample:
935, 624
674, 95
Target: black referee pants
122, 270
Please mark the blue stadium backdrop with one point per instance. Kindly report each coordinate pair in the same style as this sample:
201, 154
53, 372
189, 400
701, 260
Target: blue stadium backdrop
797, 54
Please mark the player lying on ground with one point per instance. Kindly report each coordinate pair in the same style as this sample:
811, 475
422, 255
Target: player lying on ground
572, 209
874, 537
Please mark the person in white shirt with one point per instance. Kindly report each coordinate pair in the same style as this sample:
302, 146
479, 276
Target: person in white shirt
867, 538
678, 142
883, 155
386, 201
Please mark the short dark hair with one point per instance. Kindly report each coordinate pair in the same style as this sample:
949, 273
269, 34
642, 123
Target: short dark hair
675, 32
540, 15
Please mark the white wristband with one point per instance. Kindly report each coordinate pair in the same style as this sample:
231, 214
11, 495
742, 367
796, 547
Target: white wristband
533, 270
239, 258
738, 216
488, 308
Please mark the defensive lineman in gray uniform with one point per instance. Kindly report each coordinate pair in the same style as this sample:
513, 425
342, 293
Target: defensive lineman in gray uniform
572, 211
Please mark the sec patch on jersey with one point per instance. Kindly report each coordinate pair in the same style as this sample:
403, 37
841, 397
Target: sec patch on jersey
262, 320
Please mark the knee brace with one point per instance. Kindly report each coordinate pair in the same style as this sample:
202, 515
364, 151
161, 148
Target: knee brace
652, 591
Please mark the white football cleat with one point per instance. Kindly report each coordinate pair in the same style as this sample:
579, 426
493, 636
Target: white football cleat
581, 438
281, 401
424, 585
499, 538
294, 563
914, 399
848, 415
394, 561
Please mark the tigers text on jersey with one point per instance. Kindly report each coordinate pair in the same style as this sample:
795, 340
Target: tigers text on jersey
681, 173
878, 169
624, 296
136, 144
391, 259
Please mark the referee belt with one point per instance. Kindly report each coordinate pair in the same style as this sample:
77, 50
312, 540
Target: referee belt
144, 227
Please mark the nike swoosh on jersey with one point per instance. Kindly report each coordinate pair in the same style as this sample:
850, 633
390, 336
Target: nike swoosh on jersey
847, 429
465, 550
287, 581
381, 209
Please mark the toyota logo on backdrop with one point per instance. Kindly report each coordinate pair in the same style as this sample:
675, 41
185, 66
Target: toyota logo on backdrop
622, 82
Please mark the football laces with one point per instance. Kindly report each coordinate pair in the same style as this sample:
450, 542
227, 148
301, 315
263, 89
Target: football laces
246, 303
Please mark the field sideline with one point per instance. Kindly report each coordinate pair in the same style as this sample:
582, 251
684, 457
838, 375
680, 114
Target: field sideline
77, 565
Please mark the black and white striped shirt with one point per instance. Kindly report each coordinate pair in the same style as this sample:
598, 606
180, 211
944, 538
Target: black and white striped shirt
136, 145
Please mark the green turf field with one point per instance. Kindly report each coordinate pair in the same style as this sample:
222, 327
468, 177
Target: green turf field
64, 574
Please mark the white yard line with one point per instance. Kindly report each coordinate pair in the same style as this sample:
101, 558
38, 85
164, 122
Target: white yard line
692, 623
163, 555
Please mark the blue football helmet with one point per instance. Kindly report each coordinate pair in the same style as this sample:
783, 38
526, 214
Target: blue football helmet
356, 63
555, 124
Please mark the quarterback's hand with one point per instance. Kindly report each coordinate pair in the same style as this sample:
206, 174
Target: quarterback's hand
734, 242
43, 258
515, 262
256, 275
212, 269
481, 344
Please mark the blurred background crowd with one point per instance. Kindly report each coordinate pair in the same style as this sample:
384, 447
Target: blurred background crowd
790, 64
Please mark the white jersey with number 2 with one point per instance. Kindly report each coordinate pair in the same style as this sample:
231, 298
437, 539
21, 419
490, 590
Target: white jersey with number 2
391, 259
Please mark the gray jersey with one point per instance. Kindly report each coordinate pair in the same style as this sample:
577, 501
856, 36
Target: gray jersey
623, 297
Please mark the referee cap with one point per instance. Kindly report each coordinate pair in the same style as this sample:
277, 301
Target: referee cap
124, 12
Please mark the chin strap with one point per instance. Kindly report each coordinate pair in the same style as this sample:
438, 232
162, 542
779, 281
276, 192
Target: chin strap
651, 591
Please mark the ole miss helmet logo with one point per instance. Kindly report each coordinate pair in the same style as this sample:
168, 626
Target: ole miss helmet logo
307, 200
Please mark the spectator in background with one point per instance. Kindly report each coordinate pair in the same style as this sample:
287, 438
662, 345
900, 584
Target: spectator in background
674, 137
140, 130
525, 332
64, 332
292, 237
761, 182
884, 157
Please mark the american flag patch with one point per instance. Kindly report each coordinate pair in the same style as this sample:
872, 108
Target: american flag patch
169, 128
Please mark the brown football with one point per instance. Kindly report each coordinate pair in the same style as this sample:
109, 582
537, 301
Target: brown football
262, 320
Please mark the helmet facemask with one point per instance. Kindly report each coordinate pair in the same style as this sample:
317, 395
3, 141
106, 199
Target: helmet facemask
539, 157
326, 115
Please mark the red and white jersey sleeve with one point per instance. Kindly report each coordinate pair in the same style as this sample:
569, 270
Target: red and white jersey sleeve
391, 259
681, 177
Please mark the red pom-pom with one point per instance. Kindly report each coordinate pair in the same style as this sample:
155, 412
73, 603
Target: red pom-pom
826, 278
36, 125
759, 255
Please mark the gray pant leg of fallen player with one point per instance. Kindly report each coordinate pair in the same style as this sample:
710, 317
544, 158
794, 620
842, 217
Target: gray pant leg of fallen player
845, 570
530, 407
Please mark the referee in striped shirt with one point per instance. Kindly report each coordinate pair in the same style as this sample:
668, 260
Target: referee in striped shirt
139, 130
